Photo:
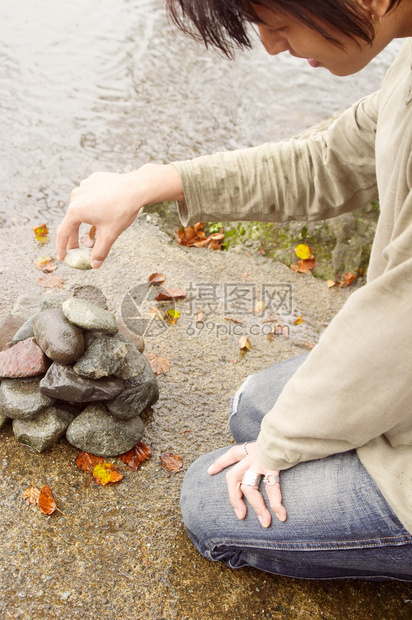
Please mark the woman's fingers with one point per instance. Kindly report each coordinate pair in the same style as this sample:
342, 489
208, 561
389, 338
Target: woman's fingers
233, 455
274, 494
257, 502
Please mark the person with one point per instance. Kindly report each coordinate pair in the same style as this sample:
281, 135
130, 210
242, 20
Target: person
330, 433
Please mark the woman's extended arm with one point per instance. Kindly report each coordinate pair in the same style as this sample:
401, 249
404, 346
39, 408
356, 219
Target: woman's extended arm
111, 202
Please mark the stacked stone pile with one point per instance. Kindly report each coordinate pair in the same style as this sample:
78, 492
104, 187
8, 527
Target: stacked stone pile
69, 370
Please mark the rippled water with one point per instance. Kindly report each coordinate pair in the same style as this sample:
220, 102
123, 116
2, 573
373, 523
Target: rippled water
94, 84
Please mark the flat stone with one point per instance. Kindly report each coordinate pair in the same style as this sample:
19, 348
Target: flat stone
63, 383
25, 331
133, 365
139, 393
105, 355
91, 293
42, 431
89, 316
62, 341
27, 305
98, 432
136, 339
78, 258
21, 399
8, 327
24, 359
53, 298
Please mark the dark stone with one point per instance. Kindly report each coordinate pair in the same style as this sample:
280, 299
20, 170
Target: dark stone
92, 294
8, 327
98, 432
42, 431
21, 399
24, 359
3, 419
57, 337
25, 331
133, 365
63, 383
105, 355
139, 393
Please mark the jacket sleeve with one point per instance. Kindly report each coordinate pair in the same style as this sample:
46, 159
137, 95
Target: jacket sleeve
355, 385
321, 176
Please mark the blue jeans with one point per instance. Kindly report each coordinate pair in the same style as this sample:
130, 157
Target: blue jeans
339, 524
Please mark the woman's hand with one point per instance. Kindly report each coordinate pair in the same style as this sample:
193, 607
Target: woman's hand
236, 489
110, 202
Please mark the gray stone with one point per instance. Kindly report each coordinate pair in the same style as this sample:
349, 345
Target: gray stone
62, 341
89, 316
78, 258
3, 419
136, 339
98, 432
8, 327
91, 293
25, 331
42, 431
139, 393
53, 298
133, 366
63, 383
27, 305
105, 355
21, 399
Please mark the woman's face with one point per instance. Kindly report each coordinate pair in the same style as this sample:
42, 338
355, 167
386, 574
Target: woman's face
282, 33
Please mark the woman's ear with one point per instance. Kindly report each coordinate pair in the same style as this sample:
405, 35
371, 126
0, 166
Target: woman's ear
378, 8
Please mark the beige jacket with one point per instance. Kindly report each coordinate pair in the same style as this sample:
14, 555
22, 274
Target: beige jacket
355, 388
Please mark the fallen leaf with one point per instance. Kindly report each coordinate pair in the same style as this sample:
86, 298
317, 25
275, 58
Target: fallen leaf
88, 240
104, 473
174, 316
156, 278
141, 452
171, 462
244, 344
303, 251
45, 264
308, 345
160, 365
41, 233
348, 278
304, 266
155, 313
200, 316
47, 503
195, 236
331, 283
259, 306
32, 494
50, 281
171, 294
299, 320
87, 462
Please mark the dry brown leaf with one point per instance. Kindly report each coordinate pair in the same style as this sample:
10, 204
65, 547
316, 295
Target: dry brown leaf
88, 240
160, 365
141, 452
200, 316
32, 494
157, 278
156, 313
87, 462
105, 473
348, 278
47, 503
308, 345
244, 344
259, 306
50, 281
171, 294
195, 236
41, 233
46, 264
171, 462
331, 283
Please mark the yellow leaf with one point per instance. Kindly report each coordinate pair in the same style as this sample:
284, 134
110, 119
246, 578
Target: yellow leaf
103, 473
299, 320
303, 251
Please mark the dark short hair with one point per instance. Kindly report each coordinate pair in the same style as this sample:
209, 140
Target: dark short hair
224, 23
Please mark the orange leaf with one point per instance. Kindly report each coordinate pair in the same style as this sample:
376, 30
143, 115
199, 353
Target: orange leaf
32, 494
331, 283
348, 278
299, 320
45, 264
141, 452
171, 462
87, 462
104, 473
88, 240
156, 278
160, 365
195, 236
41, 233
46, 501
171, 294
50, 281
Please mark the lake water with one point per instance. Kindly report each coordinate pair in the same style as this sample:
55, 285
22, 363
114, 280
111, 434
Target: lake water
103, 85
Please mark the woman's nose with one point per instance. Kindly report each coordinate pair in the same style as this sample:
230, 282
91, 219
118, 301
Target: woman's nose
273, 42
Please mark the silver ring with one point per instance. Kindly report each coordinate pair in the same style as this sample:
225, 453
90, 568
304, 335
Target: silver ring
244, 448
273, 481
250, 479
